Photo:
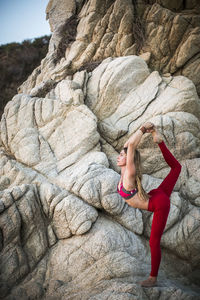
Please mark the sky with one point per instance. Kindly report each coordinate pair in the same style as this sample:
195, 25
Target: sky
22, 19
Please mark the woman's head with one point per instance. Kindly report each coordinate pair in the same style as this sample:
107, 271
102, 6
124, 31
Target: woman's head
121, 159
137, 158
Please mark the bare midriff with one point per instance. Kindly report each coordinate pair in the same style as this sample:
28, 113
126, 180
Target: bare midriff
137, 202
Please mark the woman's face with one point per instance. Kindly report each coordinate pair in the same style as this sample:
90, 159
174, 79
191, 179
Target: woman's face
121, 159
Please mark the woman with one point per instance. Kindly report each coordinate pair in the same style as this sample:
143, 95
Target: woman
157, 200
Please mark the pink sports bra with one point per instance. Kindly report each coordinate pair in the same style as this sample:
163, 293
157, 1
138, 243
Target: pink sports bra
126, 194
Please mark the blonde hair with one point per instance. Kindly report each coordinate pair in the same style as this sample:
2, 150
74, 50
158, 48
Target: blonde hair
138, 176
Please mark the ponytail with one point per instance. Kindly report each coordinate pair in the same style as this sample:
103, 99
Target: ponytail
141, 192
138, 178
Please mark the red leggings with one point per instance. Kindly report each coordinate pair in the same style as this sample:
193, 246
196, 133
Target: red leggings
159, 203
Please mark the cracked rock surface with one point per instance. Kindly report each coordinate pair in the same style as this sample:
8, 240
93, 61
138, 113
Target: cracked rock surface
65, 232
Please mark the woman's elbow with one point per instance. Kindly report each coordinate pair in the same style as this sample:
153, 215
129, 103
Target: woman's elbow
132, 144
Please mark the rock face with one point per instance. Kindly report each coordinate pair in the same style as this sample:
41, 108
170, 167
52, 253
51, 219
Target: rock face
64, 231
90, 31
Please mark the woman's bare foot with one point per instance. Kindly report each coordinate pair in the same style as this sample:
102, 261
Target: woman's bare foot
157, 137
149, 282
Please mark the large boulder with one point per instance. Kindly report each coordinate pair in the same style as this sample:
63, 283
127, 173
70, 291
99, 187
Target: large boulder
65, 232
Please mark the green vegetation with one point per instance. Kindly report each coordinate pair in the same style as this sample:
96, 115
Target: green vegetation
17, 61
68, 33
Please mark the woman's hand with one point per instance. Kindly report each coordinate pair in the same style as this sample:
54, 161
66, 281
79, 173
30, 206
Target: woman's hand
135, 138
150, 127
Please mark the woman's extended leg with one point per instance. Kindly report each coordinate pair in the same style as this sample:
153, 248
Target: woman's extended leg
169, 182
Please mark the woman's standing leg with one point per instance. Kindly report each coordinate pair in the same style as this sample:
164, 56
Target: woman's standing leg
161, 203
158, 225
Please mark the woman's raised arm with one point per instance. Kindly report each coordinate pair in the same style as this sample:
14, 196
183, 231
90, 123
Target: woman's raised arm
132, 144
